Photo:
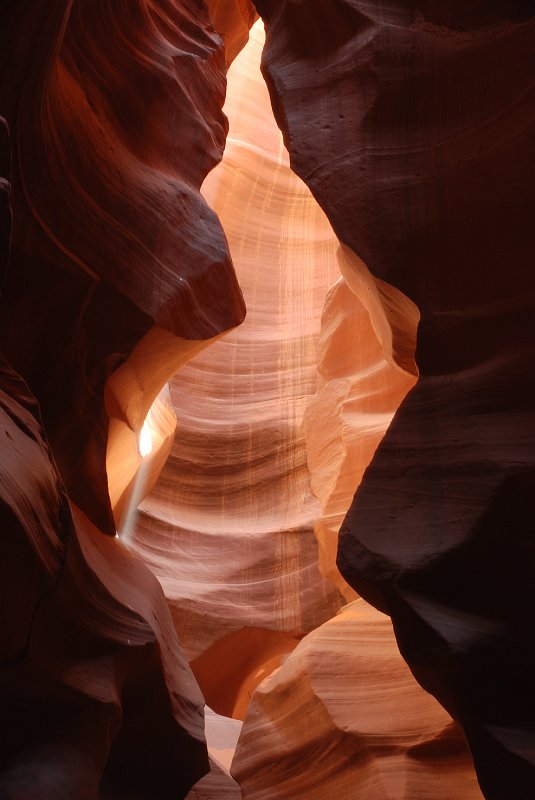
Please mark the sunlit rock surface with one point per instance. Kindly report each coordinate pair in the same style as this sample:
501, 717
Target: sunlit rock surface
222, 736
358, 392
232, 19
343, 717
228, 528
115, 117
413, 128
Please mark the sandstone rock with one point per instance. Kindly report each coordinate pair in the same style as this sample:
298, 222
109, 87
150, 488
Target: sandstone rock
111, 235
232, 20
97, 699
31, 509
228, 528
94, 688
343, 717
229, 671
221, 736
411, 125
359, 390
217, 785
5, 205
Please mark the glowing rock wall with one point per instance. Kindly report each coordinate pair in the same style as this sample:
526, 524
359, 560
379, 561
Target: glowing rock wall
214, 527
344, 717
229, 527
410, 125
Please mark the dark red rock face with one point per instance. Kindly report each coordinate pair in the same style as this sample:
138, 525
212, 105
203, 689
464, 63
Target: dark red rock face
97, 698
95, 691
115, 116
5, 206
412, 125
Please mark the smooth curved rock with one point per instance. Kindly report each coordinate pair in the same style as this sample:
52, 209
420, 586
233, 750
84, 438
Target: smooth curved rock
343, 717
413, 128
228, 528
232, 19
5, 204
359, 391
221, 735
111, 235
217, 785
31, 506
97, 699
229, 671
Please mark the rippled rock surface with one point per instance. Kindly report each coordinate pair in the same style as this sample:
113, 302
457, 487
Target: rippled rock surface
411, 126
343, 717
111, 235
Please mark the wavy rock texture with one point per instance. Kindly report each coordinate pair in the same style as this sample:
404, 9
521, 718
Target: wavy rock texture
111, 235
232, 19
217, 785
343, 717
97, 699
228, 529
5, 204
412, 126
116, 262
358, 394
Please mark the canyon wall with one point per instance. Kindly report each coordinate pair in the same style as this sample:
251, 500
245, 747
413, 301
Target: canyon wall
407, 379
97, 697
343, 717
111, 235
228, 528
213, 529
412, 125
118, 272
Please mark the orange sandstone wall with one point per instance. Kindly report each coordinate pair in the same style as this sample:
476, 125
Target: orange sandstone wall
409, 123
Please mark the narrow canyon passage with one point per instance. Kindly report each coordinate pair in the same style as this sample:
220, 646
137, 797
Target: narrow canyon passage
229, 527
288, 555
293, 401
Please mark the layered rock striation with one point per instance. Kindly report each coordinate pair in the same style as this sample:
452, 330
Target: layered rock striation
343, 717
359, 390
116, 261
97, 698
229, 527
411, 126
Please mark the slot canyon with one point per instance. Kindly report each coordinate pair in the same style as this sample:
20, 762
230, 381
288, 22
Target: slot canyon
267, 475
